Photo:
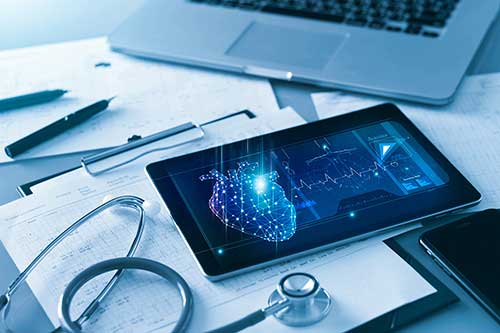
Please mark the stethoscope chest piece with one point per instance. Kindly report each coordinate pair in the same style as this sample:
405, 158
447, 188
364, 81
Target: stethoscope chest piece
308, 303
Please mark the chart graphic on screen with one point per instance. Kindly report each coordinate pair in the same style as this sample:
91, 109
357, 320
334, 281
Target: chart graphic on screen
345, 172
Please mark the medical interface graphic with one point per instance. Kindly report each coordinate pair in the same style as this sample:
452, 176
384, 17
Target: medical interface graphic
252, 203
328, 179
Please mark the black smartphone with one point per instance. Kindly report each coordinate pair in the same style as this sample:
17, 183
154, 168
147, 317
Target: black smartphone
469, 251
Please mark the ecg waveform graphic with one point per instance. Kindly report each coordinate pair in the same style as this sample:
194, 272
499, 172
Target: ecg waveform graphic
346, 168
326, 178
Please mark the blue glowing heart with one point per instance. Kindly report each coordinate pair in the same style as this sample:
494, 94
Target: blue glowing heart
252, 203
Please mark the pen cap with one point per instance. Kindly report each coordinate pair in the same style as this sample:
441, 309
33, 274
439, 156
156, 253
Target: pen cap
168, 143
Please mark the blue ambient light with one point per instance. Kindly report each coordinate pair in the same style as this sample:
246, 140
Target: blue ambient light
260, 184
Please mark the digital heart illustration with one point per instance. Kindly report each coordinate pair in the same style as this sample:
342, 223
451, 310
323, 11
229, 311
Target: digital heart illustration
252, 203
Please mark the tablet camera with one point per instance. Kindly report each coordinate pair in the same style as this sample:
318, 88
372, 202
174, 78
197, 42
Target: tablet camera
252, 202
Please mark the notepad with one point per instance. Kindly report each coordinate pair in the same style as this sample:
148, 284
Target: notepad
467, 131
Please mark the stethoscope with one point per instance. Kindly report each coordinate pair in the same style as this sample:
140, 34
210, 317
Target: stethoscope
298, 300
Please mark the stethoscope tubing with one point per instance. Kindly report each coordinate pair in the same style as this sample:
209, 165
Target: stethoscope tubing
63, 310
120, 264
126, 201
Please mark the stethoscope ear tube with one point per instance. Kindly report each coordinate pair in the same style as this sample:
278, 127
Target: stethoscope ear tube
126, 201
119, 264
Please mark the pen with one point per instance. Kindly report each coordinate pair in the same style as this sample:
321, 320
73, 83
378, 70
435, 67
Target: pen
30, 99
56, 128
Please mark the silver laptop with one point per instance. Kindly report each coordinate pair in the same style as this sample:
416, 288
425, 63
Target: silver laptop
410, 49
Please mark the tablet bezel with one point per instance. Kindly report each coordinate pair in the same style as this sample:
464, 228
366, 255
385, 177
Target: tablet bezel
459, 191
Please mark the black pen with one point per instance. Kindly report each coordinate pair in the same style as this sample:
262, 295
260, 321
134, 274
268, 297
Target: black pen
56, 128
30, 99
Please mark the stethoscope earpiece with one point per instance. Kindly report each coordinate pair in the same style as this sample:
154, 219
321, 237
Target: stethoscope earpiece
4, 310
151, 208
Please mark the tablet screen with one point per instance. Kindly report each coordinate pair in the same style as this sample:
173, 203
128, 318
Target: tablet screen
278, 193
320, 189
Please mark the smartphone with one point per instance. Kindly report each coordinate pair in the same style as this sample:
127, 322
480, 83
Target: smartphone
469, 251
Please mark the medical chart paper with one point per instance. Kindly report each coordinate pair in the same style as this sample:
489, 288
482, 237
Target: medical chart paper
142, 302
151, 96
467, 131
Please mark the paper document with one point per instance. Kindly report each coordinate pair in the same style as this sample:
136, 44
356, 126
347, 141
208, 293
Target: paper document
467, 131
151, 96
366, 279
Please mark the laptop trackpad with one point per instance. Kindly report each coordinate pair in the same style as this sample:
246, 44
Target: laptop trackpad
267, 43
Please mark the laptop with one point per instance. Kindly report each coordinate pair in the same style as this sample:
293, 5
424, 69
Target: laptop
416, 50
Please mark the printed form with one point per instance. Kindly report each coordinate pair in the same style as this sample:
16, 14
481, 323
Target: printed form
142, 302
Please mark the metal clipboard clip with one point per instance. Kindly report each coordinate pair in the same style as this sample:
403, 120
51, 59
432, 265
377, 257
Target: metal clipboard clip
138, 147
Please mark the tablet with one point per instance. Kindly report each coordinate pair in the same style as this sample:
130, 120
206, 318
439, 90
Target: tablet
258, 201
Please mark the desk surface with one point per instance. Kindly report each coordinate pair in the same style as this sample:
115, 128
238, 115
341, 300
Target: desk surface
30, 22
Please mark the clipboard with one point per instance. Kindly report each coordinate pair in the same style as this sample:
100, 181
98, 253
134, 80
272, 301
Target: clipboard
411, 312
24, 190
141, 146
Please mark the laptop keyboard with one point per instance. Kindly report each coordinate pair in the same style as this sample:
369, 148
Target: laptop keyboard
416, 17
